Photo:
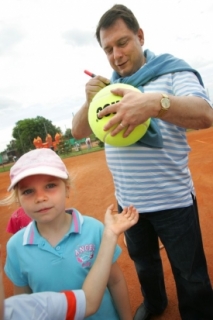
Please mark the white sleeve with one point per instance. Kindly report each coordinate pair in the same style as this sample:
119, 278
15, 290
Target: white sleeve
36, 306
80, 304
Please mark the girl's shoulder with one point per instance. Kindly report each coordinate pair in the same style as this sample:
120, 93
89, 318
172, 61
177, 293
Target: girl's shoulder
89, 219
93, 221
16, 240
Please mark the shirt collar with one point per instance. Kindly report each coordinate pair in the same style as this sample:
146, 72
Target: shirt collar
31, 235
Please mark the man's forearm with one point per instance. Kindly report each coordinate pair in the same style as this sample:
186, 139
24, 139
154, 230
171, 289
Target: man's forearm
189, 113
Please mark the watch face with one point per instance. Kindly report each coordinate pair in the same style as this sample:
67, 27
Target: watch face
165, 103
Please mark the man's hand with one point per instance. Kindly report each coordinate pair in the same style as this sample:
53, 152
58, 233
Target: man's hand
94, 85
133, 109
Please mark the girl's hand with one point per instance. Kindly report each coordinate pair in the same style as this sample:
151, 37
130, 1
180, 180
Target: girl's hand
120, 222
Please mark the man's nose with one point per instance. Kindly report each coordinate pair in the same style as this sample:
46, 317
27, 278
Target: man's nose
117, 53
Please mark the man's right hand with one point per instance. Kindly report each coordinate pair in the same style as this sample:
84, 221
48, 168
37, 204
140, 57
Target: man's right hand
94, 85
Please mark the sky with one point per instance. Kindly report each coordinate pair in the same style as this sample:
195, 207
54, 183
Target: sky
45, 46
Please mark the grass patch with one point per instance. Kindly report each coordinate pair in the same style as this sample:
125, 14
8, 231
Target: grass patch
80, 152
6, 167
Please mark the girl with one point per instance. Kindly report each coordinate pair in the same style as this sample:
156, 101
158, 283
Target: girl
58, 248
80, 303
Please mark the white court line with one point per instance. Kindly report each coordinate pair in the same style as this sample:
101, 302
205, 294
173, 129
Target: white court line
200, 141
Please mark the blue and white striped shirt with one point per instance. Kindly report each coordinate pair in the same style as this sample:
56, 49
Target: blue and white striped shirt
157, 179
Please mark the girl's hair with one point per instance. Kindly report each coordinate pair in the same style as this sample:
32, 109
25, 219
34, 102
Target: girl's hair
10, 199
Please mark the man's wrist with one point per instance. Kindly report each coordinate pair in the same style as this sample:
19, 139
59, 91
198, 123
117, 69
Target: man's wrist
165, 104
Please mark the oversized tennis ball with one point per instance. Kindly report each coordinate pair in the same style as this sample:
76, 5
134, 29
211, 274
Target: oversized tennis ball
100, 101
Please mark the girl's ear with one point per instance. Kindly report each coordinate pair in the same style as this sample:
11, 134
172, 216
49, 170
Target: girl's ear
67, 191
17, 199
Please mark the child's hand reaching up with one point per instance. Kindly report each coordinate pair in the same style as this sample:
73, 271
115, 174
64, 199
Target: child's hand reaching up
120, 222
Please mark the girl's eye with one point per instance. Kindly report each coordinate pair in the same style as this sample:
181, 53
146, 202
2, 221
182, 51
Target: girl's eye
51, 185
27, 191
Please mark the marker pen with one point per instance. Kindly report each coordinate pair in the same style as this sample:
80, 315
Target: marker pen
92, 75
89, 73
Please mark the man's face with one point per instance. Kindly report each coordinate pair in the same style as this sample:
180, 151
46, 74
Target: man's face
123, 48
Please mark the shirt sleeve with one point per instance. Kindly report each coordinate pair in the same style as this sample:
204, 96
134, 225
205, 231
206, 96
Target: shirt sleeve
70, 305
76, 305
11, 226
18, 220
42, 305
12, 266
193, 88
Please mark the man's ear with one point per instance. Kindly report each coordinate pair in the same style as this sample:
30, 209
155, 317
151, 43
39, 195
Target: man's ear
140, 35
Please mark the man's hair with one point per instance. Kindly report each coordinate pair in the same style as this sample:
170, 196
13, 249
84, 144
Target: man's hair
118, 11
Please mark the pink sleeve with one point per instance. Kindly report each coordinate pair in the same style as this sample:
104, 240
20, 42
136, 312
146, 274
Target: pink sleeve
12, 226
18, 220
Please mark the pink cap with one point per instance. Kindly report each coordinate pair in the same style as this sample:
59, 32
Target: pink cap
38, 161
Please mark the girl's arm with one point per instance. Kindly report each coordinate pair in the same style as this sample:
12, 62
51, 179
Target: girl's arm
119, 292
97, 279
20, 290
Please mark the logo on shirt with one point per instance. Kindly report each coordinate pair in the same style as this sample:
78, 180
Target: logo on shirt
84, 254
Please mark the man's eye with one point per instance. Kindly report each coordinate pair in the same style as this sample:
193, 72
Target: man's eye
123, 43
108, 51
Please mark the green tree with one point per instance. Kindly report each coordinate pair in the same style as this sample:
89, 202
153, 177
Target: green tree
27, 130
64, 146
11, 145
68, 134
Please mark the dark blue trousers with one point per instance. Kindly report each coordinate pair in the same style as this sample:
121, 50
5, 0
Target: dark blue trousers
179, 231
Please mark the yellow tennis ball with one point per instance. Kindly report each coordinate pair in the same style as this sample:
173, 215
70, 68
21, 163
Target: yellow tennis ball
100, 101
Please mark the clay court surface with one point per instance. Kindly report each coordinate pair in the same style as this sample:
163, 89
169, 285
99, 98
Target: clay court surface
93, 191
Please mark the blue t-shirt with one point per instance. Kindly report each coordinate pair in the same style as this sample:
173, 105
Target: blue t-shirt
32, 261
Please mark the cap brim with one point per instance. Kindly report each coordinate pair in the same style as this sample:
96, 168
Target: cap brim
39, 170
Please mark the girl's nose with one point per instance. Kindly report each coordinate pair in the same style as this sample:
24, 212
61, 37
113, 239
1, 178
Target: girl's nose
40, 197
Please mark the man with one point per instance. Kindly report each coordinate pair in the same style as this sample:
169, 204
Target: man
153, 174
76, 304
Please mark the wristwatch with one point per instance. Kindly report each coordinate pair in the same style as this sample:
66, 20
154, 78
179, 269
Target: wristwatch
165, 105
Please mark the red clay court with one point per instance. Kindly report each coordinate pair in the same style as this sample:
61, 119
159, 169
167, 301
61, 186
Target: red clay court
93, 191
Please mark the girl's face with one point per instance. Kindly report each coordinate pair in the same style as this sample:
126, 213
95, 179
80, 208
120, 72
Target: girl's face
43, 197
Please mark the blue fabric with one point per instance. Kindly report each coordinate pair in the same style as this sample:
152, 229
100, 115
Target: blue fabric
154, 67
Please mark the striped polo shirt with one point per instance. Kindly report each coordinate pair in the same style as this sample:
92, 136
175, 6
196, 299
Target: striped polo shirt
155, 179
